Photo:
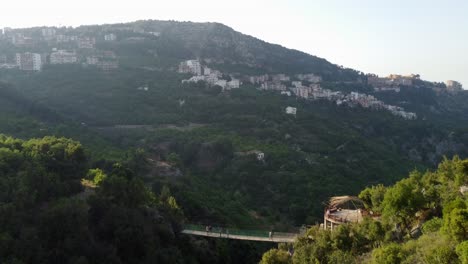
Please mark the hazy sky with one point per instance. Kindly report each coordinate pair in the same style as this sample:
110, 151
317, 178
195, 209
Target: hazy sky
412, 36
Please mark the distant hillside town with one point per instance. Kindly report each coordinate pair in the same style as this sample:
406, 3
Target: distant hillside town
38, 47
305, 86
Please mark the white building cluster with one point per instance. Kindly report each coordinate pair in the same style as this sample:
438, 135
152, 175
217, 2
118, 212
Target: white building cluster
369, 101
74, 46
82, 49
308, 87
29, 61
52, 35
276, 82
208, 75
393, 82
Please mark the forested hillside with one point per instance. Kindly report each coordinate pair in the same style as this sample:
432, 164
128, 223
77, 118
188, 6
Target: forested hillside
54, 209
424, 219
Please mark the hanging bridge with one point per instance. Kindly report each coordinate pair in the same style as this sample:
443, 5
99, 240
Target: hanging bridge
240, 234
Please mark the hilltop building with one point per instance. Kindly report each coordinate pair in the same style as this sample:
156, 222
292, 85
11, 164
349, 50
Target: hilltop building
453, 86
190, 66
48, 33
7, 30
110, 37
29, 61
65, 38
19, 39
86, 43
391, 80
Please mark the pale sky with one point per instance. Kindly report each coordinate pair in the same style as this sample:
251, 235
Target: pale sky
375, 36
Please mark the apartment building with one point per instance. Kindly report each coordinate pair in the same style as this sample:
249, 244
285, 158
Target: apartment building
29, 61
63, 57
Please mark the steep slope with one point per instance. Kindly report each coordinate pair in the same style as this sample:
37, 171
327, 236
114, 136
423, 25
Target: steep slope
50, 215
27, 117
20, 115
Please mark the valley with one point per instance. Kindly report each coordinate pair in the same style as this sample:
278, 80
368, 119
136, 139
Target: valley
214, 127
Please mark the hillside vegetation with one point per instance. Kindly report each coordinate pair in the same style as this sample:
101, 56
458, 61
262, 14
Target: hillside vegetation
54, 209
424, 219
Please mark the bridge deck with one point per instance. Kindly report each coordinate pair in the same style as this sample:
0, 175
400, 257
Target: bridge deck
276, 238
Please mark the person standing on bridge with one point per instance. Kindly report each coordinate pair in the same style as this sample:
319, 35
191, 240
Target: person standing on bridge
270, 234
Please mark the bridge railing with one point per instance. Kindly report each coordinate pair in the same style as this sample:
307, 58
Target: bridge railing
239, 232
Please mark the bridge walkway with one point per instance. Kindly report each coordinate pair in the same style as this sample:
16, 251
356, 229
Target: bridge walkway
238, 234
